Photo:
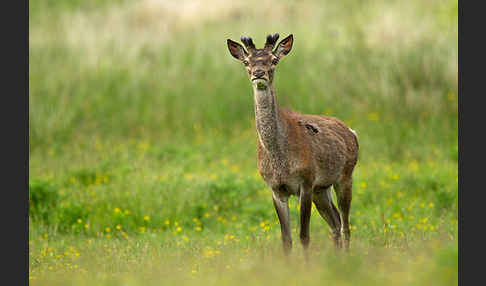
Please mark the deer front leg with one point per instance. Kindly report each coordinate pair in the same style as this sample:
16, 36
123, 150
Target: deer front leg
305, 200
281, 204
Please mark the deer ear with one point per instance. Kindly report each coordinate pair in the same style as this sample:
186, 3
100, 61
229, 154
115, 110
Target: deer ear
284, 47
237, 50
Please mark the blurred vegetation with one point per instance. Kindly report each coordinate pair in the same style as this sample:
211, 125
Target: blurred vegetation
141, 133
155, 70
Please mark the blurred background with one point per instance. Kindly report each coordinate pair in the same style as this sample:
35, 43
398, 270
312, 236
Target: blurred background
139, 116
156, 69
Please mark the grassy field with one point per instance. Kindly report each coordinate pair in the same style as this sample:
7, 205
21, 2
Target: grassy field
142, 166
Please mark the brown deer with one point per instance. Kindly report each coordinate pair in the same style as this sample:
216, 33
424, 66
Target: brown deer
298, 154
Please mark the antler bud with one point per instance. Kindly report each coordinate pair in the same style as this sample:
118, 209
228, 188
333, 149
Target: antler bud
248, 43
271, 40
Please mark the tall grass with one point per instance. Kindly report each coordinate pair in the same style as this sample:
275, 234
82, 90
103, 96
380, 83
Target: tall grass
156, 69
142, 140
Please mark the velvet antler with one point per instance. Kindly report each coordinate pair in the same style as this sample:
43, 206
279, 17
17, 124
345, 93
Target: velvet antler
248, 42
271, 40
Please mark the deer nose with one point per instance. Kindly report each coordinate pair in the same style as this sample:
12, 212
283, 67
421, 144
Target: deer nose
258, 73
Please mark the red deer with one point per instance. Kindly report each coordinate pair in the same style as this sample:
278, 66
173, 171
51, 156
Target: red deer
298, 154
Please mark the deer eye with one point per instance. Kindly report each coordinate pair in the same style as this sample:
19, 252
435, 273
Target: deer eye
245, 63
275, 61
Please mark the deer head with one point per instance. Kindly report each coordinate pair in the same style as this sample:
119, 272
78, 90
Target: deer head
260, 63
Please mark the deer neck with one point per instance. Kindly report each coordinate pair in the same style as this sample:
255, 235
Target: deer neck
270, 126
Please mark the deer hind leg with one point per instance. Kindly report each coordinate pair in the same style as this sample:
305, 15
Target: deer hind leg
344, 195
323, 201
282, 207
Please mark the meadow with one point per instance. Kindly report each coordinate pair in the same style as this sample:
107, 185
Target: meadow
142, 140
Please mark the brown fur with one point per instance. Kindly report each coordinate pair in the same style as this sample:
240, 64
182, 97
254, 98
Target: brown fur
299, 154
332, 151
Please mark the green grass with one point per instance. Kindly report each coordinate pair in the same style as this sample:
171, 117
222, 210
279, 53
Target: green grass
143, 145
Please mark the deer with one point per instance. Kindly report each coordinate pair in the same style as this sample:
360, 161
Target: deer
299, 155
